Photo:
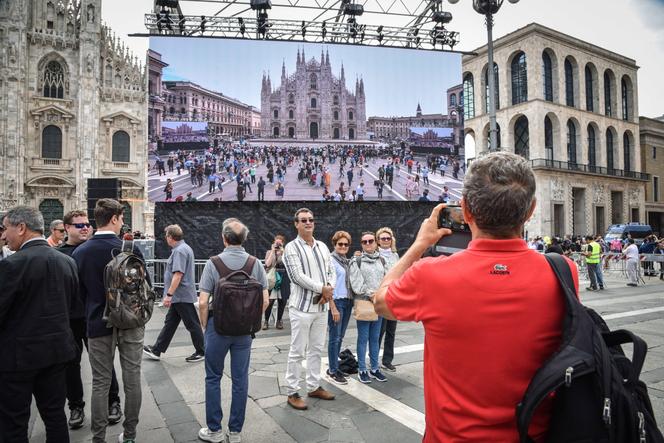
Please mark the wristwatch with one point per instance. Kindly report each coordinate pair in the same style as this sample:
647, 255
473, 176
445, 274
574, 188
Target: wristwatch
169, 295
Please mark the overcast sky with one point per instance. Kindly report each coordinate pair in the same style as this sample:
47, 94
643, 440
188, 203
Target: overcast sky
633, 28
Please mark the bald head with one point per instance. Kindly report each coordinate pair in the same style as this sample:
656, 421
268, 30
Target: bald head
234, 232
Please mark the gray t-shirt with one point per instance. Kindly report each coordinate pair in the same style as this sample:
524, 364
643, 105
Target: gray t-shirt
181, 260
234, 257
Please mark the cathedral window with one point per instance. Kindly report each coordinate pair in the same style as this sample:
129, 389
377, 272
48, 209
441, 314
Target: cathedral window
291, 99
108, 76
120, 147
350, 115
335, 100
275, 113
336, 115
54, 80
313, 103
51, 142
313, 82
290, 114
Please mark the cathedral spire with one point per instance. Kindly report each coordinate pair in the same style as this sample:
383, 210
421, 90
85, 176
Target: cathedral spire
419, 110
283, 69
343, 75
327, 57
322, 57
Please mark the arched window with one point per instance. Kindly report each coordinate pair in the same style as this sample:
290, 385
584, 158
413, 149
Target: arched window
51, 209
625, 100
627, 153
290, 113
571, 142
335, 100
336, 115
547, 68
608, 96
291, 99
548, 138
521, 137
350, 115
291, 132
351, 134
120, 147
519, 79
592, 142
54, 80
569, 83
313, 103
108, 76
335, 133
590, 87
486, 88
51, 142
609, 150
275, 113
313, 82
468, 96
275, 131
453, 100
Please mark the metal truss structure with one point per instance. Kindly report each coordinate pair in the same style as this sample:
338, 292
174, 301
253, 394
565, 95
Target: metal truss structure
404, 24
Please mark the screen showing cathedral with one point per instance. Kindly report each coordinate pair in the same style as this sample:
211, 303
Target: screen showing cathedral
336, 103
184, 135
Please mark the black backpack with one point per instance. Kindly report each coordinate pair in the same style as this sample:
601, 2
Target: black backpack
347, 362
237, 304
598, 395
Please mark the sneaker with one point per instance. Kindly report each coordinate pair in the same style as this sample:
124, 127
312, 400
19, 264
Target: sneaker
114, 413
121, 439
233, 437
389, 367
363, 377
193, 358
377, 375
76, 418
151, 353
336, 377
590, 288
601, 288
213, 436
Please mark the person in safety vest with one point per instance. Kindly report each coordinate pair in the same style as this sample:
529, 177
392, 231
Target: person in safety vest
593, 251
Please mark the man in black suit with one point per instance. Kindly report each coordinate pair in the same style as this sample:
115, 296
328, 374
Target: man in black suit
37, 284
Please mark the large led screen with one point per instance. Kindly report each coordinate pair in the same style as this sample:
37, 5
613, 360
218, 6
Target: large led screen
230, 118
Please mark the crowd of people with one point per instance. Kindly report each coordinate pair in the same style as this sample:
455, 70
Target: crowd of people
236, 166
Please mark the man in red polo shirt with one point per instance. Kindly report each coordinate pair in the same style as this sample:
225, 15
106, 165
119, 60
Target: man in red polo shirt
492, 314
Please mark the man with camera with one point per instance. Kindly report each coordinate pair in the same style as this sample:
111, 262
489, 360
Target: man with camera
483, 344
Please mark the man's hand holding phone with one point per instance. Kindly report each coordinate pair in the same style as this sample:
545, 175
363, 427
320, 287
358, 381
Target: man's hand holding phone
430, 232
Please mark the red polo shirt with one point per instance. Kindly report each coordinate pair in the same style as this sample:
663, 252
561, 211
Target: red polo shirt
492, 315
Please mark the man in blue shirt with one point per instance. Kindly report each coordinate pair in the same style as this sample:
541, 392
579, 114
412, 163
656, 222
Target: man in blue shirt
180, 288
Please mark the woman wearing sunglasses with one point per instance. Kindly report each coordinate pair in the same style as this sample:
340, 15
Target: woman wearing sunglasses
340, 307
366, 272
387, 247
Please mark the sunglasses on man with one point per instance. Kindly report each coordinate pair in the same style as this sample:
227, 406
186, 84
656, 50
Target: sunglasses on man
81, 225
368, 242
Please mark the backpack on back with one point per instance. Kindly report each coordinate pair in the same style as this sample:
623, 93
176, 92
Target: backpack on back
237, 305
598, 395
129, 297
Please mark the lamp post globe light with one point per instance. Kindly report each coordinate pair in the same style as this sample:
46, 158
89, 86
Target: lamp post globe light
488, 8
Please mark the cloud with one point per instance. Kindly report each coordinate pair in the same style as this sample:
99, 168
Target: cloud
652, 12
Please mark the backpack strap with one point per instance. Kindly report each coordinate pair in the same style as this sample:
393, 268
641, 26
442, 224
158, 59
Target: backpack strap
623, 336
249, 265
221, 267
128, 246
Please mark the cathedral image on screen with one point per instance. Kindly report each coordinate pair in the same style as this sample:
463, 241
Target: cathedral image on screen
313, 103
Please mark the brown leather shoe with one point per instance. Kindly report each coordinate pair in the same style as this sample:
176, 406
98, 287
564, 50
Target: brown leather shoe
296, 402
322, 394
280, 324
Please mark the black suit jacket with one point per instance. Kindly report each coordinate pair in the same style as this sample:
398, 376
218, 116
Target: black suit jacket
36, 287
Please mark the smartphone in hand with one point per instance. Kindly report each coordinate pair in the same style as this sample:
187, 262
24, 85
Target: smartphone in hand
451, 217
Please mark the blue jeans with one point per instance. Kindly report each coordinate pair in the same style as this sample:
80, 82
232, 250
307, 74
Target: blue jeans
337, 331
598, 273
216, 348
368, 332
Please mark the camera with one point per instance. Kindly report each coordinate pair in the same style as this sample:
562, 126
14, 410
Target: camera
451, 217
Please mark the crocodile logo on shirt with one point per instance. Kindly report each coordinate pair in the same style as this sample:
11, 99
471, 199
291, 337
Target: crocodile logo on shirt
499, 269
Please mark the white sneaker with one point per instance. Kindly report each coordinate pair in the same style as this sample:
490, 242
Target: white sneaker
233, 437
206, 435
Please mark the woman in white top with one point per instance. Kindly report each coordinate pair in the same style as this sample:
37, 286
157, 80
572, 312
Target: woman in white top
387, 247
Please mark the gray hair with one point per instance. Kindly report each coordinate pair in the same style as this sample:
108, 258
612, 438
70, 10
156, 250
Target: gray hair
499, 190
300, 211
55, 223
174, 232
234, 231
31, 217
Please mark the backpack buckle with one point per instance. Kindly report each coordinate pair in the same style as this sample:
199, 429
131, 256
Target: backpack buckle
568, 376
606, 411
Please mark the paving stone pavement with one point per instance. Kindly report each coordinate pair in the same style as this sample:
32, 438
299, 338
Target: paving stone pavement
173, 406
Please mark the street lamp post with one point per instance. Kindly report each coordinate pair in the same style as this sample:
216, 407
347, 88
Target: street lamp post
488, 8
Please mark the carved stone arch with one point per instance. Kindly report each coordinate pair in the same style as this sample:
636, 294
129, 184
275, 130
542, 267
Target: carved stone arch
41, 69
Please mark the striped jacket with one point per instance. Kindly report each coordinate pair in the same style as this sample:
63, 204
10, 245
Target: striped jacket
309, 269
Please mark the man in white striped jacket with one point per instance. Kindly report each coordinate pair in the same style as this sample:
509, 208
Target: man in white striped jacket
310, 269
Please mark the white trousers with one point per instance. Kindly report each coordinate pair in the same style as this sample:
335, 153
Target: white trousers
633, 271
308, 331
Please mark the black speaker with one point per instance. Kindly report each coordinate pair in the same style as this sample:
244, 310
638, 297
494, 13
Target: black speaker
101, 188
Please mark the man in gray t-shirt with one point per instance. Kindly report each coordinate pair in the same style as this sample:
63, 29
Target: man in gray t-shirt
179, 298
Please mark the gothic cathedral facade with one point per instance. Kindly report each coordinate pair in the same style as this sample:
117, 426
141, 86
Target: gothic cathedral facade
72, 107
313, 103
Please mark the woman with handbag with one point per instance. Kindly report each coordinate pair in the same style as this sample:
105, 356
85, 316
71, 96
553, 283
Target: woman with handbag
366, 272
277, 279
341, 305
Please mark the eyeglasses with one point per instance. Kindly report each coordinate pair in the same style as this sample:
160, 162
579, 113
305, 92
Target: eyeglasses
306, 220
60, 230
342, 245
386, 239
81, 225
368, 242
